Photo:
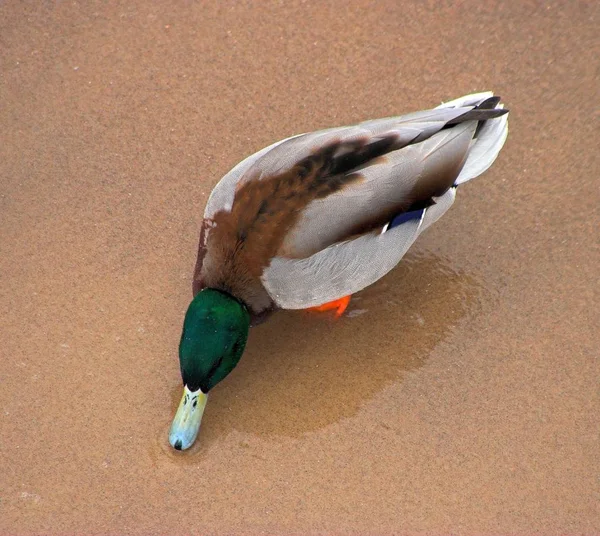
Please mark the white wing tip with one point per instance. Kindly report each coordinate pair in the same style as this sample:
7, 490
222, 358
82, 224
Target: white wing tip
486, 148
489, 141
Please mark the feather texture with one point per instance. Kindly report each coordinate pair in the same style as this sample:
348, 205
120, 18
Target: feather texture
306, 220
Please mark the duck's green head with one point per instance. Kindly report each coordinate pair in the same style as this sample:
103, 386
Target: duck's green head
215, 330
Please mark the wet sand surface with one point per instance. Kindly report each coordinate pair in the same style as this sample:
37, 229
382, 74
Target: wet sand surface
458, 395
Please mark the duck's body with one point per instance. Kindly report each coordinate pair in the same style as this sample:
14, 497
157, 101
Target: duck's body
300, 223
320, 216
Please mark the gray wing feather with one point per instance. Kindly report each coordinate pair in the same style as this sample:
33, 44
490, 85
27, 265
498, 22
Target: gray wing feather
284, 154
346, 267
388, 184
407, 128
341, 269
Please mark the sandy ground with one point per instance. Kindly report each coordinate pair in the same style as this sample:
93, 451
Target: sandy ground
459, 395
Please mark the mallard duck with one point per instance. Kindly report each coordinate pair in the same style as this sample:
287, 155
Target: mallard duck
310, 220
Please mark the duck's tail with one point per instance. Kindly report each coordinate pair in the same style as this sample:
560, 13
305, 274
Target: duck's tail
490, 135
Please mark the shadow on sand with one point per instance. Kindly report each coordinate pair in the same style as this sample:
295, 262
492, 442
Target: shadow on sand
302, 371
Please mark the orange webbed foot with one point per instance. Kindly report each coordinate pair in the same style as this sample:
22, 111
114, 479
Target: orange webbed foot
339, 305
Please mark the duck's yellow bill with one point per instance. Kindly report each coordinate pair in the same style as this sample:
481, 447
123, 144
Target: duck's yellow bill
186, 423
